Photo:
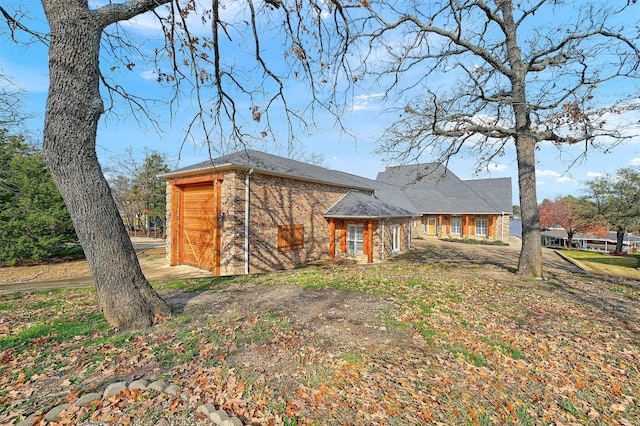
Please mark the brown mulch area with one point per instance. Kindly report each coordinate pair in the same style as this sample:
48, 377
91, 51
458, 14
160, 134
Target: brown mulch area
360, 345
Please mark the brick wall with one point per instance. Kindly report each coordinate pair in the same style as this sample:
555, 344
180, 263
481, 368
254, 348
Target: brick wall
500, 229
277, 201
274, 201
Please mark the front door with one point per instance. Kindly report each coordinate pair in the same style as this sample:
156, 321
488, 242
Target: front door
431, 226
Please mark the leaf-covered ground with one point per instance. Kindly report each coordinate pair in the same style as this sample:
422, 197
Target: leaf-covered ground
389, 344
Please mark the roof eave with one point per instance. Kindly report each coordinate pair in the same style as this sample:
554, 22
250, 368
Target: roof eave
231, 166
336, 216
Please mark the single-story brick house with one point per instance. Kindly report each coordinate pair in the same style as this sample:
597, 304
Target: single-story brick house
450, 207
250, 212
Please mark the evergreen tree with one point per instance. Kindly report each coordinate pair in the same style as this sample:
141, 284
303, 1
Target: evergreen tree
34, 222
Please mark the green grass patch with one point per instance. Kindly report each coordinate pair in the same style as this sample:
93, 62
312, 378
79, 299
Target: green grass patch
352, 357
468, 355
508, 349
606, 263
197, 284
60, 329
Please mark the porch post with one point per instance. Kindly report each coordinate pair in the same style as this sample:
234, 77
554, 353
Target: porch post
370, 240
332, 238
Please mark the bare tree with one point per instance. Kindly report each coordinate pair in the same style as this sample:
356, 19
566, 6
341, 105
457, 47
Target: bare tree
81, 39
139, 192
495, 72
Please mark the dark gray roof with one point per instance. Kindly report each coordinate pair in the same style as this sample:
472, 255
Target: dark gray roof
262, 162
405, 190
496, 191
275, 165
356, 204
433, 189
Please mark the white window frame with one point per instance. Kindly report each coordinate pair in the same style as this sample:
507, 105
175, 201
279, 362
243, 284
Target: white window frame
355, 238
395, 238
452, 227
482, 224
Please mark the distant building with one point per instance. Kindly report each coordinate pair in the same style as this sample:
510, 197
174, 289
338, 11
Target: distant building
558, 238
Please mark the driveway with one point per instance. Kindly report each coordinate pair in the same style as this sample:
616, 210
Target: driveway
436, 250
155, 268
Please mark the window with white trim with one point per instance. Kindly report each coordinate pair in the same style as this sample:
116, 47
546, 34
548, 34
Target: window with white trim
456, 226
355, 239
482, 227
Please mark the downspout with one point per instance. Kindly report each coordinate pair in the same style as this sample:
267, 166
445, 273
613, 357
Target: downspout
382, 239
246, 222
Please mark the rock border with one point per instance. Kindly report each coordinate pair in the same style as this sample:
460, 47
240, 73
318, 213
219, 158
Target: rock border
218, 417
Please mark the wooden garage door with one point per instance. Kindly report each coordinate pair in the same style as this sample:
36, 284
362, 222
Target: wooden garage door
198, 226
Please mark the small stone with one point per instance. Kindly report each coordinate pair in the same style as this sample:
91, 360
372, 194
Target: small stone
158, 385
140, 384
233, 421
114, 389
88, 399
163, 422
29, 421
206, 409
185, 396
218, 416
172, 390
54, 414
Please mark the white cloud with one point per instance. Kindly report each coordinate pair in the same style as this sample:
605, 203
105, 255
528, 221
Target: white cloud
149, 75
364, 102
548, 173
595, 174
556, 176
635, 161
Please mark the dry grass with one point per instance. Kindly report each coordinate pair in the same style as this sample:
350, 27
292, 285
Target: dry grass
399, 344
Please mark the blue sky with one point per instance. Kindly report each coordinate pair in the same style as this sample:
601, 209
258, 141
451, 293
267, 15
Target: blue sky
366, 118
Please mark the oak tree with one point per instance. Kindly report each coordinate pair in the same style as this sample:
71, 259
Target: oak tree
490, 73
85, 43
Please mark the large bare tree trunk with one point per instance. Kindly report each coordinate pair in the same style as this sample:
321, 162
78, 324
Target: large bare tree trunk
74, 106
530, 261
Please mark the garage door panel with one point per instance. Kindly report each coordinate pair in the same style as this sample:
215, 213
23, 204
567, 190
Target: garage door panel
198, 226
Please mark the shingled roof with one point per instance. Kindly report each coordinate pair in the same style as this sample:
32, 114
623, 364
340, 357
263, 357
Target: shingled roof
359, 205
399, 191
388, 197
262, 162
433, 189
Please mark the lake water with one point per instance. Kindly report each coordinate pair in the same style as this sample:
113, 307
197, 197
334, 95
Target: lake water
515, 227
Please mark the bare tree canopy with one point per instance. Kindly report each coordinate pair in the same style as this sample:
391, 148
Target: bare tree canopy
477, 76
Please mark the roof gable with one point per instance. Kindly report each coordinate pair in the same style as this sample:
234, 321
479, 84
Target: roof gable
356, 204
